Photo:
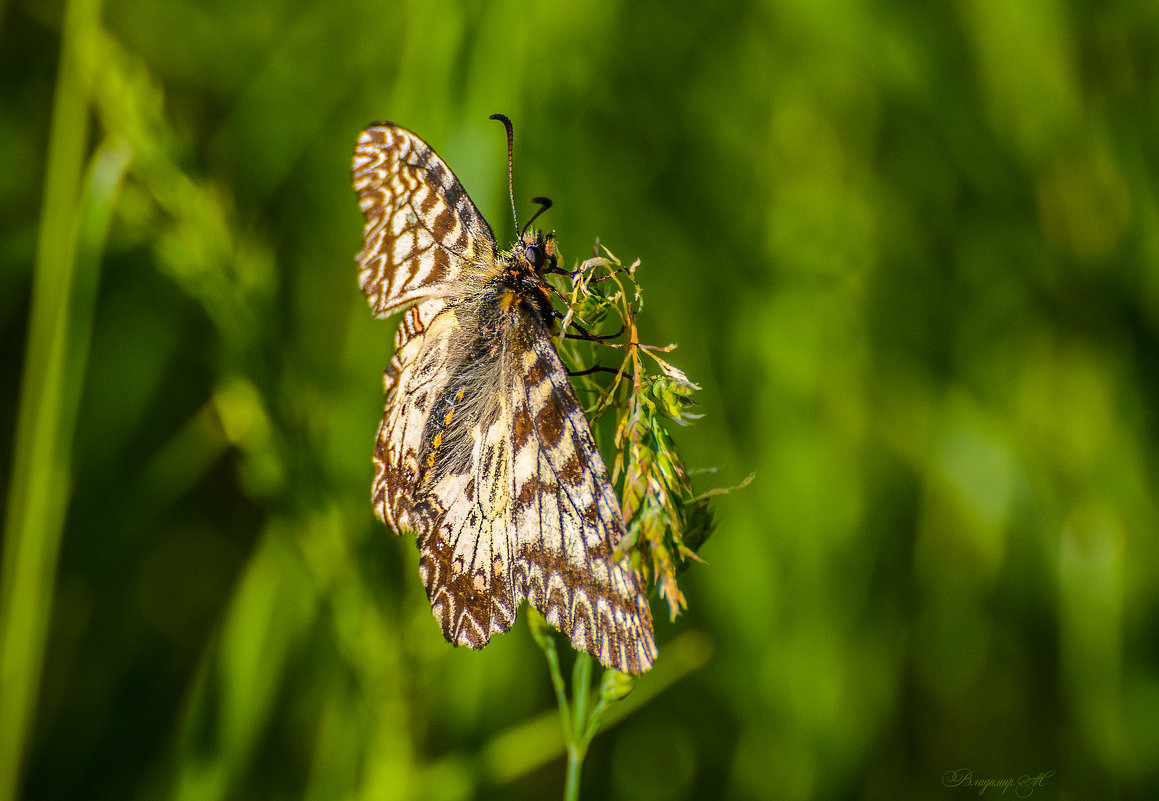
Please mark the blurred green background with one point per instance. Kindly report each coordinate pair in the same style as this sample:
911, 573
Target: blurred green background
911, 252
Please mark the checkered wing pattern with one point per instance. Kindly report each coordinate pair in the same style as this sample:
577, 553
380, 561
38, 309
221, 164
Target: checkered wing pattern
484, 452
423, 234
415, 377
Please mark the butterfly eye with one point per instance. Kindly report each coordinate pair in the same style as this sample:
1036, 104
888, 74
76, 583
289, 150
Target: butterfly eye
534, 255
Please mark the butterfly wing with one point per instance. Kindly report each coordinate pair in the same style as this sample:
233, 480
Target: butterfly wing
441, 438
567, 521
423, 234
532, 515
415, 377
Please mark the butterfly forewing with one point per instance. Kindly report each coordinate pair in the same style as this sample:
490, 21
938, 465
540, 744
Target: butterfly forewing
422, 231
483, 451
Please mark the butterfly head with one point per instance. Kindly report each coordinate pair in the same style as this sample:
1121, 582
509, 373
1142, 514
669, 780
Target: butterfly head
536, 251
521, 284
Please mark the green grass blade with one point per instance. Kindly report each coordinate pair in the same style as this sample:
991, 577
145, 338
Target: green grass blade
39, 486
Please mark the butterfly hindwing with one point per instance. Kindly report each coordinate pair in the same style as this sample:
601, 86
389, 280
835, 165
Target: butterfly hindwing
564, 494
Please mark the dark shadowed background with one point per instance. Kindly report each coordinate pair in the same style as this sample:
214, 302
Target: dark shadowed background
910, 251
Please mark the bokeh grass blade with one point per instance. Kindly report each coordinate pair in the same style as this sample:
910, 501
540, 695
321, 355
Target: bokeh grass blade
74, 223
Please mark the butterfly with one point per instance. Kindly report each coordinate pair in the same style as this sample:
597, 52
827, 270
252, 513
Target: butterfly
484, 452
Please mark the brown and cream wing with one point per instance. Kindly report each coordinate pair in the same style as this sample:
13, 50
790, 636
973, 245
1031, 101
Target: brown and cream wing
535, 517
415, 377
422, 233
569, 522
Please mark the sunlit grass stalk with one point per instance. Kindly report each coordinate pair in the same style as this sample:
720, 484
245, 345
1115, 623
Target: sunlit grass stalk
72, 230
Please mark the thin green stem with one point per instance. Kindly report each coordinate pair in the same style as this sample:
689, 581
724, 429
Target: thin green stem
594, 719
543, 638
557, 684
577, 744
579, 718
581, 679
40, 473
575, 765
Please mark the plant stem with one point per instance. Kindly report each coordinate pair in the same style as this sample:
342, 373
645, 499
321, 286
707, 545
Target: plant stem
580, 719
575, 764
557, 682
577, 743
39, 484
581, 678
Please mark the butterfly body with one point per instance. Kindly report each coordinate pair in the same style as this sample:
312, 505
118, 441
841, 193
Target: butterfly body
484, 452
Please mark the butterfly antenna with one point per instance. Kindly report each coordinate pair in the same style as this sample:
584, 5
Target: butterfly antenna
544, 205
510, 179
